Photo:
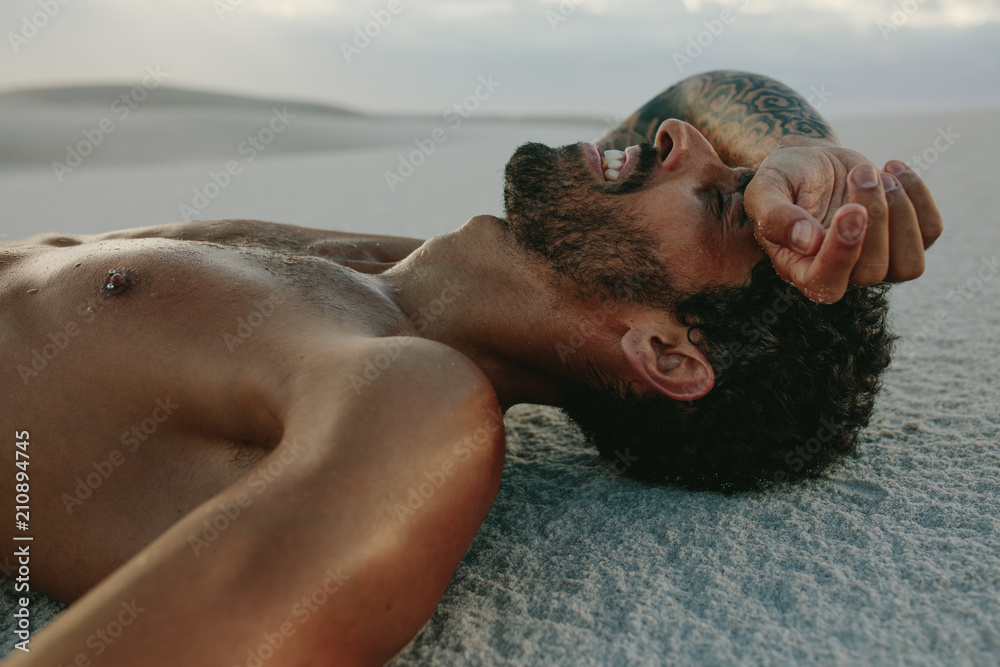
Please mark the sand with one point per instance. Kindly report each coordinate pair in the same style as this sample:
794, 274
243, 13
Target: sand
893, 559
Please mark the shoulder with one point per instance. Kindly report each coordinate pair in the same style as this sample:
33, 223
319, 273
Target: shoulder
408, 370
403, 404
404, 382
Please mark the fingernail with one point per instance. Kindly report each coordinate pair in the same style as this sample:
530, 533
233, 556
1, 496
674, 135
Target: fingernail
865, 176
895, 167
889, 183
851, 228
802, 235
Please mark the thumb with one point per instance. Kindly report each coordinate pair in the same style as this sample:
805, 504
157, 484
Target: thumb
770, 203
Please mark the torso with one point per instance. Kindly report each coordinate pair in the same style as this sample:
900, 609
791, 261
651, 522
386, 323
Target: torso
145, 400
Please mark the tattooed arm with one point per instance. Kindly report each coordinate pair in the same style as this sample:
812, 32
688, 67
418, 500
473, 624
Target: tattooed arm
744, 116
824, 214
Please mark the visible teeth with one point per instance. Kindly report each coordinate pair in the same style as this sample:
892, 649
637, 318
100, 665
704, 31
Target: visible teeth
612, 161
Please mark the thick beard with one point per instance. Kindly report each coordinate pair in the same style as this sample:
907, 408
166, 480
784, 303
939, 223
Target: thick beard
590, 238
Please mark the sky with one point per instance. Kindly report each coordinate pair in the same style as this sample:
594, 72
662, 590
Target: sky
588, 58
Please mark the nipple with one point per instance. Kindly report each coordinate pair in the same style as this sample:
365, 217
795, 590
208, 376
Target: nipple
118, 282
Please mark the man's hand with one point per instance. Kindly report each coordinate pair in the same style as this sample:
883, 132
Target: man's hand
830, 221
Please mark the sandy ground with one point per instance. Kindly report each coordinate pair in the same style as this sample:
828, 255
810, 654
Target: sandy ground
894, 559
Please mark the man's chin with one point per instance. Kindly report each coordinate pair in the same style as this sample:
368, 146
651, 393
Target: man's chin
485, 220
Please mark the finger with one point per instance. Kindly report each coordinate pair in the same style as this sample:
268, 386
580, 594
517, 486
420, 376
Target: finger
865, 188
779, 221
906, 259
787, 263
826, 277
928, 216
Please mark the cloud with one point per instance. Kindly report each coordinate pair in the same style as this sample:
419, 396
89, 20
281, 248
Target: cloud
598, 58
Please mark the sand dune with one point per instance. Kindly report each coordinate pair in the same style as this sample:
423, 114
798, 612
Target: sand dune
160, 125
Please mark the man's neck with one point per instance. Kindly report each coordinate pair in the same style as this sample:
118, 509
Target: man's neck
473, 290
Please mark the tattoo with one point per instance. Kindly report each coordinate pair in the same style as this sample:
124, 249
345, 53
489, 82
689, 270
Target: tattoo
742, 115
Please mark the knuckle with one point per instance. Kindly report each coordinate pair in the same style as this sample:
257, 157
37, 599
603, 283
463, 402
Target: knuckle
908, 265
877, 209
910, 178
934, 228
916, 190
899, 200
910, 271
870, 274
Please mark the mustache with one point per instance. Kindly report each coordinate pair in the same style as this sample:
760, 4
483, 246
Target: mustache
535, 163
648, 157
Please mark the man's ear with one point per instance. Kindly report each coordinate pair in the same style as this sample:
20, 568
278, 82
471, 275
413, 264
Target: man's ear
659, 351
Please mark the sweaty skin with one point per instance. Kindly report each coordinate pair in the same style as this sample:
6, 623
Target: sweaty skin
254, 416
153, 389
89, 324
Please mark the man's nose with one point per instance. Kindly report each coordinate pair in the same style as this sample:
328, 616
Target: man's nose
681, 146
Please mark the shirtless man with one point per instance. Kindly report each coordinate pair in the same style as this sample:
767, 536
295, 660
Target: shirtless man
255, 442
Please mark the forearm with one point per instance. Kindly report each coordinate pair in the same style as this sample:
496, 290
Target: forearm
745, 117
274, 235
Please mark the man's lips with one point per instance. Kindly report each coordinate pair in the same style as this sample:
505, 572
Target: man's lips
631, 160
595, 157
593, 154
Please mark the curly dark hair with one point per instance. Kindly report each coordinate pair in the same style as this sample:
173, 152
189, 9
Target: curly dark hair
795, 383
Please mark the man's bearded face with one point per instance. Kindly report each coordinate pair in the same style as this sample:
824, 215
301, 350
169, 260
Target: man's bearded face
556, 209
674, 207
